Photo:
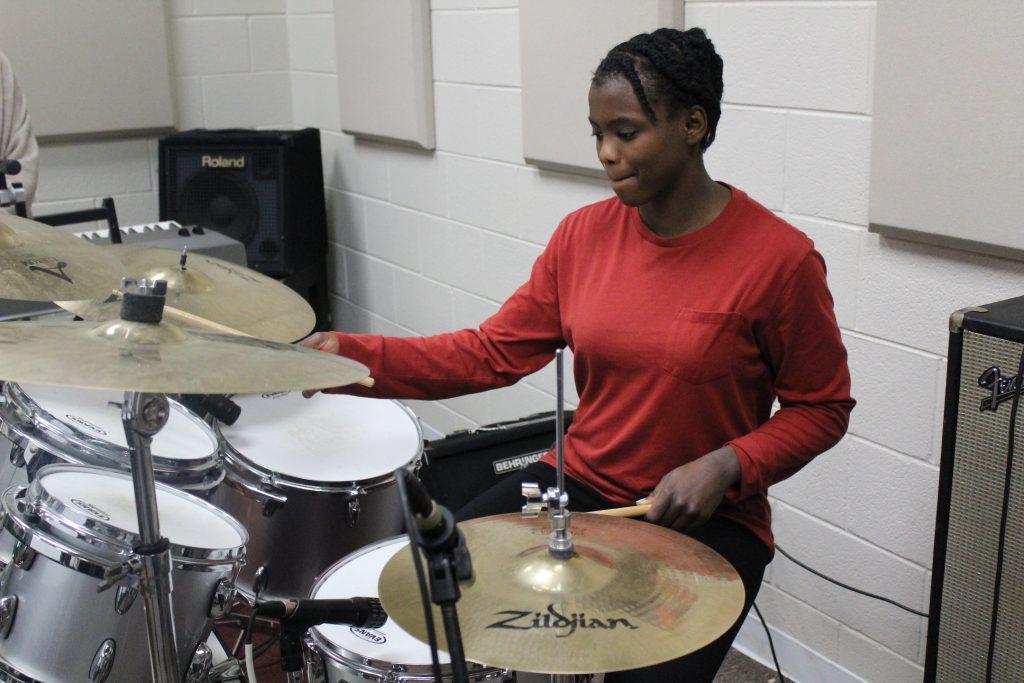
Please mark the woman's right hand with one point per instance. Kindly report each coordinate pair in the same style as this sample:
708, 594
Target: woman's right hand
320, 341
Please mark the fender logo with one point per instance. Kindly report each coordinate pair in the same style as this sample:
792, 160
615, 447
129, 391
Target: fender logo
1002, 388
50, 266
518, 620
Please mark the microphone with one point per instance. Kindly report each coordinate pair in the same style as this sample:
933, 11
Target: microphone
10, 166
302, 614
428, 514
220, 406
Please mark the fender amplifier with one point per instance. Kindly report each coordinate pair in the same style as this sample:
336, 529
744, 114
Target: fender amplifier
977, 599
466, 463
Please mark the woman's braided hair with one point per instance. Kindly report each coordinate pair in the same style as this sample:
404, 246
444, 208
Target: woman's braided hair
679, 68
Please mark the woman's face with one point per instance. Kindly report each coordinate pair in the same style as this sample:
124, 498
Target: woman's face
642, 158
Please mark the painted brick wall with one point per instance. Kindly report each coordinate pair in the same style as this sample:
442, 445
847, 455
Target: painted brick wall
231, 66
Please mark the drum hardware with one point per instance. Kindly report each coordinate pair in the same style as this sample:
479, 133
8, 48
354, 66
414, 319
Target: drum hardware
24, 556
8, 608
124, 598
143, 415
200, 666
223, 599
103, 662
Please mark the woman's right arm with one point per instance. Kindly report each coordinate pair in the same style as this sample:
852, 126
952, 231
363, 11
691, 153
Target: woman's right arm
518, 340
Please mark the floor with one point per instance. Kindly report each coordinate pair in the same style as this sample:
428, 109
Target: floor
738, 668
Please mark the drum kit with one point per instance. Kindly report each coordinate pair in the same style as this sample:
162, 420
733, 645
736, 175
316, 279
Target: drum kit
133, 523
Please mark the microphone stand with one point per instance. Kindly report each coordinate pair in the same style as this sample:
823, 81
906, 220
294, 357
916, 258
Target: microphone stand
448, 562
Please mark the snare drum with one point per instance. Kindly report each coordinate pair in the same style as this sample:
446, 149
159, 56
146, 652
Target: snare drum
312, 480
50, 424
336, 653
75, 524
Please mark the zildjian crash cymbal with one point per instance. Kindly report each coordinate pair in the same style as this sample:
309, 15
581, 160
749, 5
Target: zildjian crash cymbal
163, 358
41, 263
210, 288
634, 594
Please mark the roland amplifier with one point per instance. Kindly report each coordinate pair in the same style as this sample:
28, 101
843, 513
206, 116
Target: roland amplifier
264, 188
976, 616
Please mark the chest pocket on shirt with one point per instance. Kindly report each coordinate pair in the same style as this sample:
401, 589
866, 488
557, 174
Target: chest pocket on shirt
701, 345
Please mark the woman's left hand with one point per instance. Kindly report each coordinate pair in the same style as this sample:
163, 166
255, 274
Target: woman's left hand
688, 495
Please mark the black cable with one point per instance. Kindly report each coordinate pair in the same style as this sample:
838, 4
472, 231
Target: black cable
771, 645
847, 587
428, 614
1003, 519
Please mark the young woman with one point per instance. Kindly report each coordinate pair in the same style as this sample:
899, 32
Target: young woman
689, 308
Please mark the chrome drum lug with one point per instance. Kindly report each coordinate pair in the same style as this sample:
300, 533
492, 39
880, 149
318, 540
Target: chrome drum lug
103, 661
124, 598
200, 666
8, 608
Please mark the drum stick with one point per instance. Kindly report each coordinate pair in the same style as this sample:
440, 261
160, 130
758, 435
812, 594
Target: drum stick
178, 315
631, 511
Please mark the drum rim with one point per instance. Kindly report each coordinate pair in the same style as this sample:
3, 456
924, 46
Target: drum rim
63, 523
362, 663
239, 465
15, 674
29, 420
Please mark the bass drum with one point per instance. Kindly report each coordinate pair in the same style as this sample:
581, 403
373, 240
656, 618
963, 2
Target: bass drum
350, 654
75, 525
312, 480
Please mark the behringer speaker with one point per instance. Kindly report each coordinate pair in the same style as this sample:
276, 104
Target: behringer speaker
262, 188
976, 614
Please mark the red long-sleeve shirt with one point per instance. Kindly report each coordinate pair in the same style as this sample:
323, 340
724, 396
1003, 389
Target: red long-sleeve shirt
680, 346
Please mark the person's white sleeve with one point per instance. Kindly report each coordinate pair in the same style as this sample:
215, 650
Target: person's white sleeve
16, 138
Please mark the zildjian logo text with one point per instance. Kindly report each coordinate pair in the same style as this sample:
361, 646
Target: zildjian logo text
529, 621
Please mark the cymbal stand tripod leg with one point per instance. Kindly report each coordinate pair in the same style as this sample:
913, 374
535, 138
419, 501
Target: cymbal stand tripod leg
143, 416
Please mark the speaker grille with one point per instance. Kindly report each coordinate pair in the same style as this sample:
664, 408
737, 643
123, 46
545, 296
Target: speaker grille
243, 203
975, 508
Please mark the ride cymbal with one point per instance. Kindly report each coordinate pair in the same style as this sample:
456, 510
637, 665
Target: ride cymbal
163, 358
41, 263
634, 594
210, 288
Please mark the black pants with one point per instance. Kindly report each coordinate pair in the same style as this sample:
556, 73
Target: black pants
736, 544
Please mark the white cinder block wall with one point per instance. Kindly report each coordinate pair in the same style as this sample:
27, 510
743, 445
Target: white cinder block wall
427, 242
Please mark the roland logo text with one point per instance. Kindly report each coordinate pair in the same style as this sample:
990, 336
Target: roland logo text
223, 162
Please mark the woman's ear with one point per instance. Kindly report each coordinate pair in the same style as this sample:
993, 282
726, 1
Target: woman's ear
695, 121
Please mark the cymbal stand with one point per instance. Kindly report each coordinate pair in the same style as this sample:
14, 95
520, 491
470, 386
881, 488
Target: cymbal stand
555, 499
143, 415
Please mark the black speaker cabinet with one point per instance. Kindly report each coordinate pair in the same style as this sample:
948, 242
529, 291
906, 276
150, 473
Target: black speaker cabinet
263, 188
464, 464
976, 616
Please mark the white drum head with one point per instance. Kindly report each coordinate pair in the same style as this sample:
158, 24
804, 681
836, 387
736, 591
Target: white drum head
358, 576
90, 411
328, 438
108, 497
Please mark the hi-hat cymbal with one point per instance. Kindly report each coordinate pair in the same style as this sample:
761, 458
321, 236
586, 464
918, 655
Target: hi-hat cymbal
163, 358
210, 288
634, 594
41, 263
